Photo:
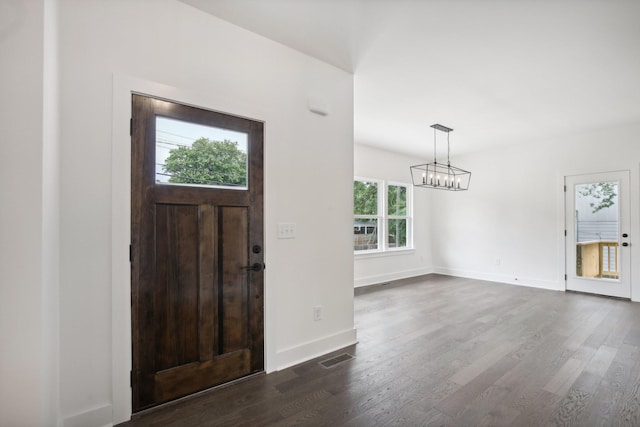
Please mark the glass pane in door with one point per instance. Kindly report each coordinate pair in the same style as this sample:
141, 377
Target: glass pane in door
190, 154
597, 230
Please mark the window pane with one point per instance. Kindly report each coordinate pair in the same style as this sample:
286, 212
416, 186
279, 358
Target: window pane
397, 200
193, 154
397, 236
365, 234
365, 198
597, 230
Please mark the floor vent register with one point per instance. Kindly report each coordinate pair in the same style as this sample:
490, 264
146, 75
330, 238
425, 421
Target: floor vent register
330, 363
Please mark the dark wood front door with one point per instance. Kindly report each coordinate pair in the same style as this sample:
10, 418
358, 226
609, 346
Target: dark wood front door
196, 249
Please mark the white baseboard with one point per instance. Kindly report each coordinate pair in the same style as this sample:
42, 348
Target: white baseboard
98, 417
501, 278
312, 349
382, 278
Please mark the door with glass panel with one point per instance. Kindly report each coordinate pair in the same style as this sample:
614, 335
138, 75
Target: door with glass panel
597, 234
196, 249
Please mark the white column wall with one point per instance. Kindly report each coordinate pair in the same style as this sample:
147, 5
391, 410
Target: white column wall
28, 216
190, 55
51, 217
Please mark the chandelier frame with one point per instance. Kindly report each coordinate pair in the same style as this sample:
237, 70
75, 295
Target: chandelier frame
440, 176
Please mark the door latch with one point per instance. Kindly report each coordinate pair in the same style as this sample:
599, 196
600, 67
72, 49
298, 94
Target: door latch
256, 266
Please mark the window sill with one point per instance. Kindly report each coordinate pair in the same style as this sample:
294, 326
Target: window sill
388, 252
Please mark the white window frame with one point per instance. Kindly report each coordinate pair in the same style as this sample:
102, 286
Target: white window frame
408, 217
383, 217
381, 222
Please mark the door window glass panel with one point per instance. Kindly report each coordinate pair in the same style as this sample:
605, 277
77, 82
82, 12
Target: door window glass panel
597, 230
192, 154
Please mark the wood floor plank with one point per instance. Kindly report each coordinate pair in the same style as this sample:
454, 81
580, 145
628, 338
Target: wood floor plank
602, 411
498, 416
538, 366
564, 378
601, 361
573, 410
480, 365
633, 337
586, 329
617, 321
537, 408
628, 408
455, 403
483, 405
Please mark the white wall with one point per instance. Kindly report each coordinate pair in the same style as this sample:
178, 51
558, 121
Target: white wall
28, 326
371, 162
514, 208
308, 167
51, 216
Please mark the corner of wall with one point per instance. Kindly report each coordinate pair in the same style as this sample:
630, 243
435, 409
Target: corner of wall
312, 349
500, 278
388, 277
99, 417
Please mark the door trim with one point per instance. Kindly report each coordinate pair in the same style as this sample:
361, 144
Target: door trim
121, 354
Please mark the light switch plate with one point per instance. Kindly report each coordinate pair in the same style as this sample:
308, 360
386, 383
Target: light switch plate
286, 230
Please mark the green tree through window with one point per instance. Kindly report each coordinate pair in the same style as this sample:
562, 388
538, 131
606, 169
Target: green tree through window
366, 219
397, 212
207, 162
365, 198
602, 194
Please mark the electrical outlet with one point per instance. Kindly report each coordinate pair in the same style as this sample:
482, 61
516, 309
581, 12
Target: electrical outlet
317, 313
497, 261
286, 230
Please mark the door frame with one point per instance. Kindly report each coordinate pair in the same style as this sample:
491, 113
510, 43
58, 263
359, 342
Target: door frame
121, 355
624, 225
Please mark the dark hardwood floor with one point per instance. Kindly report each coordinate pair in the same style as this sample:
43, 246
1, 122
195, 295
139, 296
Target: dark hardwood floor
448, 351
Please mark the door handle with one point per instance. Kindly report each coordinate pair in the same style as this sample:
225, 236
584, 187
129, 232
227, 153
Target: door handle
256, 266
625, 244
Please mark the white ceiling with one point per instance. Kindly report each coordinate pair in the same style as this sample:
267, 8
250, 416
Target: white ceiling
496, 71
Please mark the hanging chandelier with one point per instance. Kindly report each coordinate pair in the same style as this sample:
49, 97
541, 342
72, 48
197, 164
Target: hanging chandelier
440, 176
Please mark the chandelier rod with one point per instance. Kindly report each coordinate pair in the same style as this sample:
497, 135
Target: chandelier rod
434, 145
448, 151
